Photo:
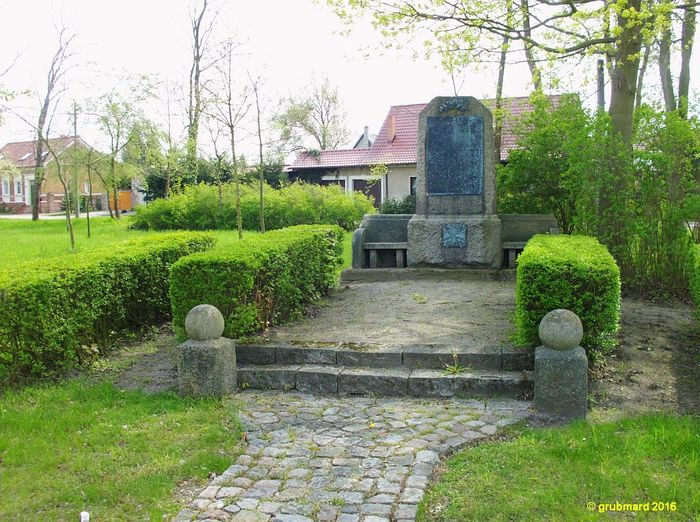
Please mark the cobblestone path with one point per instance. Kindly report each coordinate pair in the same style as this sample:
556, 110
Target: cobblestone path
342, 459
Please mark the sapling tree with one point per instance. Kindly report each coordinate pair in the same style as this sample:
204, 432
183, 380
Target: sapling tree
202, 22
229, 107
61, 63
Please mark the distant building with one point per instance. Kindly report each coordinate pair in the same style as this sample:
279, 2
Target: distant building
396, 146
16, 191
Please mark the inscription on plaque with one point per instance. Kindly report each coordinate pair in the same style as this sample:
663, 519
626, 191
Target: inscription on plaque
454, 155
454, 235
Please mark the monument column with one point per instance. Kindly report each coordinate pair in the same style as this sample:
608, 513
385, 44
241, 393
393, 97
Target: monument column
455, 224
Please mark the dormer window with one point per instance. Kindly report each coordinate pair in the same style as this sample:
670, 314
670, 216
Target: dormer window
25, 156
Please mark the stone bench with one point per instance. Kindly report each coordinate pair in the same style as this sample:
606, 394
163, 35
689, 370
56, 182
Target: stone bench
400, 249
517, 229
381, 241
511, 251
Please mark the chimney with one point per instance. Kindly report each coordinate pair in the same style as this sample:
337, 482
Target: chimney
366, 136
392, 128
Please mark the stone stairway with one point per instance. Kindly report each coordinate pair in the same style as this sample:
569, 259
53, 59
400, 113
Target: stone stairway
416, 371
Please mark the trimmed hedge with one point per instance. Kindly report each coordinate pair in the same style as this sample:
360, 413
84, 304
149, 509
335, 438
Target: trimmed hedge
572, 272
55, 313
259, 281
199, 208
695, 277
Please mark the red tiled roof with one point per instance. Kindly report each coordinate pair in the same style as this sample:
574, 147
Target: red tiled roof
331, 158
22, 154
404, 148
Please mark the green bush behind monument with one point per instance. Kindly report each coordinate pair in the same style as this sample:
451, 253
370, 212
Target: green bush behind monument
56, 312
204, 207
259, 281
572, 272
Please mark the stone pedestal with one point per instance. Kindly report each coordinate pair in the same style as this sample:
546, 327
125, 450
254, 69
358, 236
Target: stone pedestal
561, 367
561, 382
207, 368
460, 241
206, 363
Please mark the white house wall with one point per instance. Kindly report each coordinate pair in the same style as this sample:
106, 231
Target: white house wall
395, 185
399, 181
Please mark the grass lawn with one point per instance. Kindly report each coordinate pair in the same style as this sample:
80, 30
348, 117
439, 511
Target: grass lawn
553, 473
30, 240
118, 454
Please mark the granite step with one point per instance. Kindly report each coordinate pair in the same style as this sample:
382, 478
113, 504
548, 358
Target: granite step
381, 275
433, 357
329, 379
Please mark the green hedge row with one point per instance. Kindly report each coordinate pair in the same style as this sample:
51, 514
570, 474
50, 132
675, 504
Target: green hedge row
259, 281
572, 272
55, 313
199, 208
695, 277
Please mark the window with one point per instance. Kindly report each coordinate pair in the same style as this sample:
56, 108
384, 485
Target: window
5, 187
412, 185
18, 187
86, 187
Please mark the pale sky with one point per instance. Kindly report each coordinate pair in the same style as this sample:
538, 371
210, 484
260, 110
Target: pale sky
287, 41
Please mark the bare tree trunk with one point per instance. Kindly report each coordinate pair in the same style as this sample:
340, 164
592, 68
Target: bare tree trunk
109, 202
69, 223
261, 174
622, 99
499, 116
200, 33
115, 189
665, 67
687, 36
88, 206
529, 55
640, 79
237, 181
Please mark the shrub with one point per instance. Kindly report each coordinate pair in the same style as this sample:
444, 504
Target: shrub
406, 205
572, 272
695, 277
259, 281
199, 208
55, 313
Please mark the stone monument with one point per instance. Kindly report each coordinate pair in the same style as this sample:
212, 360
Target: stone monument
206, 363
455, 224
561, 367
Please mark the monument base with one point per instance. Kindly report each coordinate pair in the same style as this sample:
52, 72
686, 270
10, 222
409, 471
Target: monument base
454, 241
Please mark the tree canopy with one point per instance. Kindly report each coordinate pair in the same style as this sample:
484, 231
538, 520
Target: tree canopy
317, 115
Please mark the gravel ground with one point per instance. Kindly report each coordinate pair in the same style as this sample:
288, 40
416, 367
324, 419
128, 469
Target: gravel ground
455, 313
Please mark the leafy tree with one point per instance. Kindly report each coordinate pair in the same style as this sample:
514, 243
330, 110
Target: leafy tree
316, 115
543, 174
563, 157
159, 161
117, 113
556, 30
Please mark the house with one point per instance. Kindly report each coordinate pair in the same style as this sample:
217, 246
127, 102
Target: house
16, 189
396, 146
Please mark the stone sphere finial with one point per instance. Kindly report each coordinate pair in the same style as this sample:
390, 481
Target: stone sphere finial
204, 322
561, 330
